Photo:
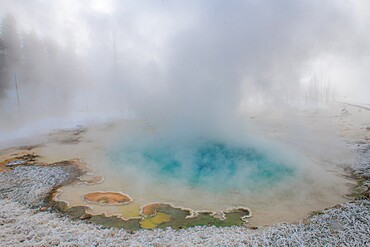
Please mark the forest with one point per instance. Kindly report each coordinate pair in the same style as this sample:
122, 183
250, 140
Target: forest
38, 66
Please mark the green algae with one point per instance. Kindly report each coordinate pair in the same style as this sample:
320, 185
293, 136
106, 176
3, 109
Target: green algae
116, 222
166, 216
152, 222
180, 218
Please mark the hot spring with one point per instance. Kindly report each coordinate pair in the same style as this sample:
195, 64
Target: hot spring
213, 166
185, 180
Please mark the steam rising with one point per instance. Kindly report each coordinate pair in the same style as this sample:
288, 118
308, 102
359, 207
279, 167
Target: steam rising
191, 64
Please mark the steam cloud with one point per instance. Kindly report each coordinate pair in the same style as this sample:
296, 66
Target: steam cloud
189, 63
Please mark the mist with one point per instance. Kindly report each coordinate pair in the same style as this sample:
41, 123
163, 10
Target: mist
194, 65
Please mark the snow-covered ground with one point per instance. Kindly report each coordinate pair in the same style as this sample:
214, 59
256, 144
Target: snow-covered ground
347, 225
355, 102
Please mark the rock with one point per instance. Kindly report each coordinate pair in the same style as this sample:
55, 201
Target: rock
15, 163
85, 216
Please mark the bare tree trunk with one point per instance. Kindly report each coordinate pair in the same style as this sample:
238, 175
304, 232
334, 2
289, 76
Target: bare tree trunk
114, 36
16, 88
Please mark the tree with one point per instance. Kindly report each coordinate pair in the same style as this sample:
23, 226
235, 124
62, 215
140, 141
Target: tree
33, 59
10, 55
11, 41
3, 69
320, 90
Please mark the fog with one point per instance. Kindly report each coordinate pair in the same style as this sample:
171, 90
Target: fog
189, 64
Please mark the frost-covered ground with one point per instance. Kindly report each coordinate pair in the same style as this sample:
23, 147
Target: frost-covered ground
347, 225
362, 164
30, 185
23, 224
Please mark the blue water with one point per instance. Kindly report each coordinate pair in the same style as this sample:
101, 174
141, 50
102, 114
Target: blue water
210, 165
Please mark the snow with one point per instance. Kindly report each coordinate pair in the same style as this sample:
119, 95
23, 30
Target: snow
347, 225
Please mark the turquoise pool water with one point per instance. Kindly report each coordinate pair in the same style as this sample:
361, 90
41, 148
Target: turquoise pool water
205, 164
